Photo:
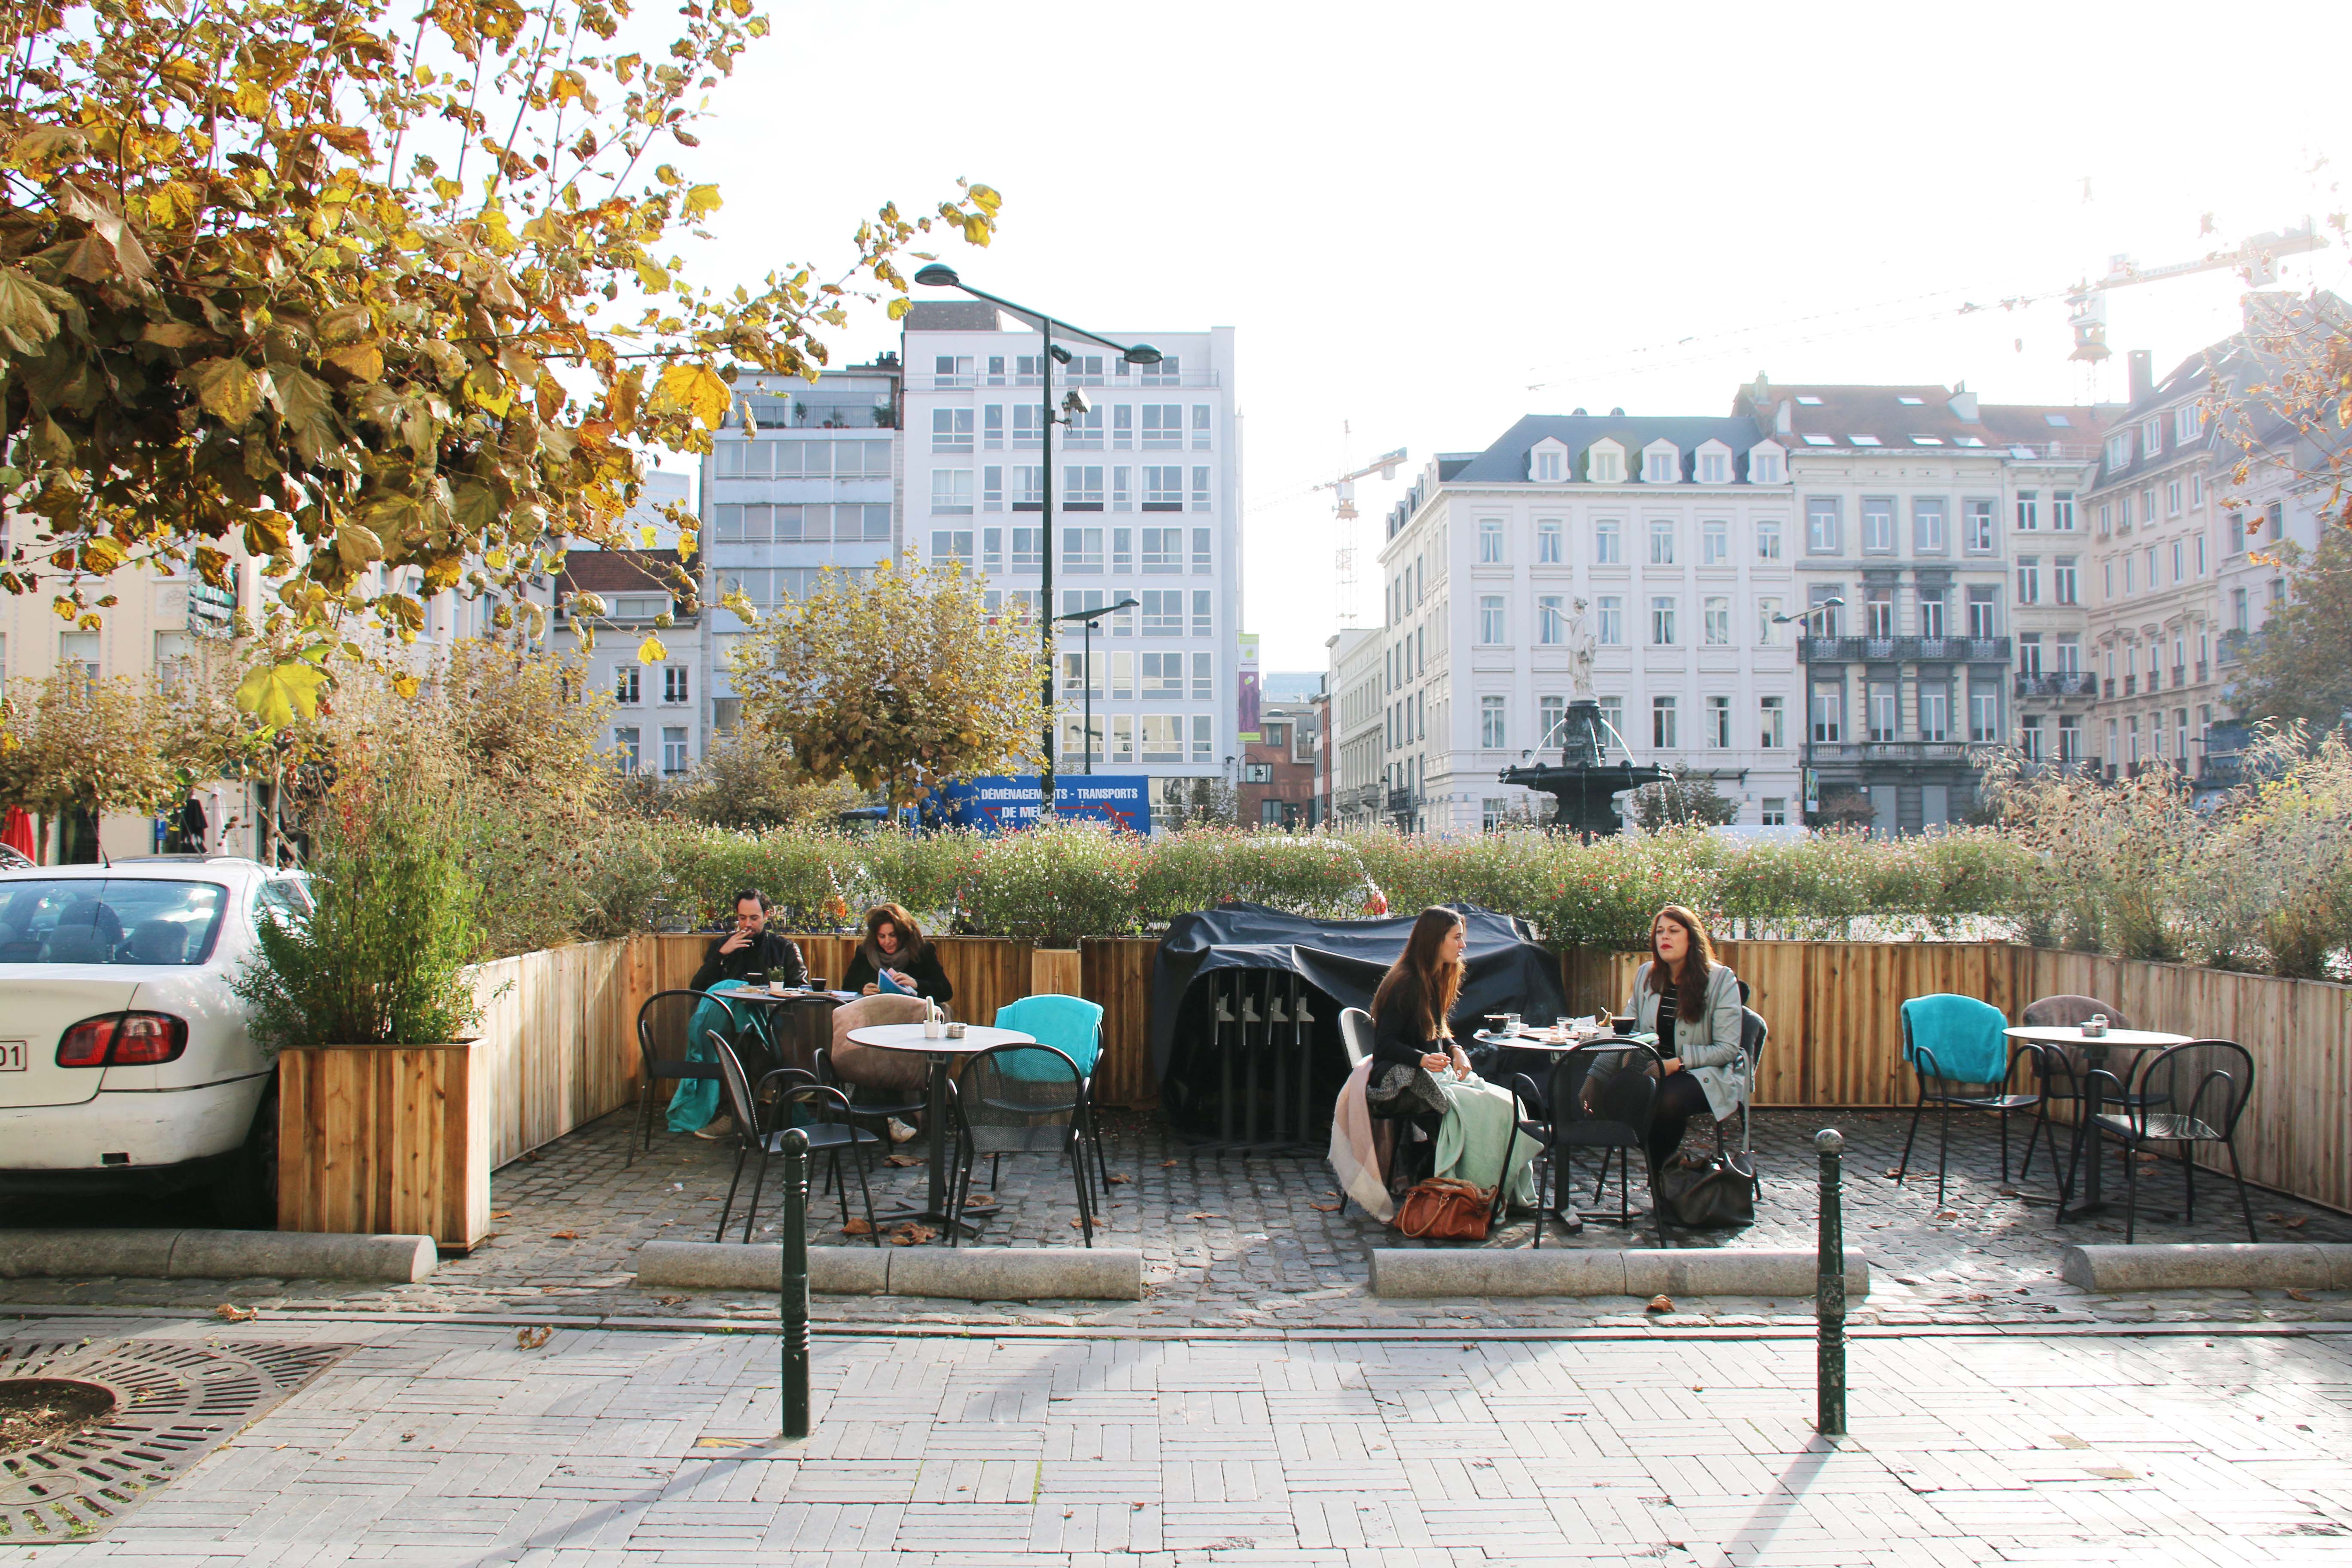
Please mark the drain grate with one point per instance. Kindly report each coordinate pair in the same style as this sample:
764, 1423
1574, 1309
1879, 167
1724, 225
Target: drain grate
176, 1401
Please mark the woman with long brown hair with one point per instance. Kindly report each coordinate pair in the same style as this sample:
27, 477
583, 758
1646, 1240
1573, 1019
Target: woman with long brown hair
894, 945
1691, 1003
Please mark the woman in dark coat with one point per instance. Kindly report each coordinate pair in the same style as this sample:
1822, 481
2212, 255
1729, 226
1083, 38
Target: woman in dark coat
895, 944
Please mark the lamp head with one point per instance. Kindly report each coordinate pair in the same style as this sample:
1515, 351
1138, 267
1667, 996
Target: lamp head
1061, 355
1074, 402
1142, 354
939, 275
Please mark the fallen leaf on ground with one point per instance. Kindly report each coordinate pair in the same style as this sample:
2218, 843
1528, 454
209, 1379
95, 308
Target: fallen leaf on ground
1203, 1214
1119, 1178
2295, 1295
566, 1235
857, 1227
532, 1335
2278, 1219
1165, 1165
2298, 1222
1326, 1208
980, 1201
1949, 1213
1660, 1304
502, 1214
902, 1160
671, 1301
912, 1235
1893, 1174
232, 1314
2007, 1192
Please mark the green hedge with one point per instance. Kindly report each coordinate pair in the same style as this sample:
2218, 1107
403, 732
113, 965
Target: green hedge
1058, 884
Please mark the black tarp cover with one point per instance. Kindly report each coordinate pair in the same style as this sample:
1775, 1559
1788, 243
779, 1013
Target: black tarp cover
1504, 970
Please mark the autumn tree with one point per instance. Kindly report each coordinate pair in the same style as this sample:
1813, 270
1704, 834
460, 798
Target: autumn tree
70, 742
2301, 668
900, 681
1682, 799
364, 288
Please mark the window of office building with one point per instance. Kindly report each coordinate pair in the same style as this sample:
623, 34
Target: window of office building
1662, 620
1609, 620
1490, 619
1718, 721
1490, 722
1490, 541
1608, 542
1717, 620
1663, 736
1552, 539
1551, 619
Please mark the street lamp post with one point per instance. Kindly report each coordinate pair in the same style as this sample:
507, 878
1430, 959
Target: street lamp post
1086, 669
1821, 609
940, 276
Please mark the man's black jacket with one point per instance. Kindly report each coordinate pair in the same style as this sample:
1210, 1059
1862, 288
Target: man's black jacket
776, 957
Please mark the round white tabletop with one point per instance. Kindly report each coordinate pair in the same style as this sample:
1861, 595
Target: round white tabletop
2072, 1035
910, 1037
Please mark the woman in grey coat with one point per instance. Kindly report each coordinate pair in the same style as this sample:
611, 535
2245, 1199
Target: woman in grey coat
1704, 1068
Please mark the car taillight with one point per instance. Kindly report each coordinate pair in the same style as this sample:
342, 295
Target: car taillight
123, 1040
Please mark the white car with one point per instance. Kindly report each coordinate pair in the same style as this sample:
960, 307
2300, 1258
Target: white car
124, 1060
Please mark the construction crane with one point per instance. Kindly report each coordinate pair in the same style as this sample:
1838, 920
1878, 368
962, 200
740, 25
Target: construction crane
1344, 515
2256, 260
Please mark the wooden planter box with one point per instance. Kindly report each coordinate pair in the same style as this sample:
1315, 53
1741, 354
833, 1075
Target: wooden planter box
386, 1140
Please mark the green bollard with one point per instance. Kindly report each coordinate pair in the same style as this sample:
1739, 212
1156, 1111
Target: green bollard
1829, 1295
795, 1293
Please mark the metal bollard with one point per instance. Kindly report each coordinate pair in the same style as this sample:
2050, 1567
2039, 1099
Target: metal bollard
1829, 1295
795, 1289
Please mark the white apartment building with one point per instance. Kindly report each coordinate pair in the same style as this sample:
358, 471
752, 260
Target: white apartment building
802, 479
1352, 742
1676, 536
1901, 494
655, 724
2178, 591
1147, 506
2053, 461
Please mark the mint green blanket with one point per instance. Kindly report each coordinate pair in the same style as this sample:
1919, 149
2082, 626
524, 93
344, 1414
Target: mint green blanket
1481, 1120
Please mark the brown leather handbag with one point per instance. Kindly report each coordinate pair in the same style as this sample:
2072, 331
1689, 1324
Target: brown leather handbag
1444, 1208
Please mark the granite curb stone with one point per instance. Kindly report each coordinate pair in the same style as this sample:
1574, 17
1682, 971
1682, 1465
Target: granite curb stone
214, 1255
973, 1274
1630, 1271
2195, 1266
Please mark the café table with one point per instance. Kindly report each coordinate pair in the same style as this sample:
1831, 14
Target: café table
2091, 1050
942, 1053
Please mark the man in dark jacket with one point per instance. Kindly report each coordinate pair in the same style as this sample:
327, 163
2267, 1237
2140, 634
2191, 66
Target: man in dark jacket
751, 948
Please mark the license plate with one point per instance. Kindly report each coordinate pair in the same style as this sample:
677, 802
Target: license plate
12, 1055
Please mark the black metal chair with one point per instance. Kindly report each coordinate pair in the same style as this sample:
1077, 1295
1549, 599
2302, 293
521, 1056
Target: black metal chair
2189, 1094
828, 1129
2060, 1088
1939, 1087
1753, 1032
664, 1032
1391, 1136
1619, 1126
1019, 1099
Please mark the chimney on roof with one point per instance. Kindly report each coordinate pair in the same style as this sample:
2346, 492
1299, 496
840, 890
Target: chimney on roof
1784, 417
1963, 403
2142, 363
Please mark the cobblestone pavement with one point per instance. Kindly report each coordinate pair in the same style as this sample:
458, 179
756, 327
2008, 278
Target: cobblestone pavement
460, 1444
1237, 1240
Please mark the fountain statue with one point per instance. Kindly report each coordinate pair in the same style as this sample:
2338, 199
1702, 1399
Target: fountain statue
1582, 782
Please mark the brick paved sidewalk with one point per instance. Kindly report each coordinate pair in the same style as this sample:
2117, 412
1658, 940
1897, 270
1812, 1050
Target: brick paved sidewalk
452, 1445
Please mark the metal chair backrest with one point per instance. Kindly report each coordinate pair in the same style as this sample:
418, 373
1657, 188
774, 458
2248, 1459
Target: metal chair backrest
822, 1104
1356, 1035
665, 1024
1021, 1097
738, 1086
1629, 1093
2065, 1011
2207, 1081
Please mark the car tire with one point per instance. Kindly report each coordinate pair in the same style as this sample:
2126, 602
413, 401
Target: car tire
246, 1195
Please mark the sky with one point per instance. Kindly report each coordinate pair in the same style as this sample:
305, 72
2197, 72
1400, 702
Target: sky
1426, 222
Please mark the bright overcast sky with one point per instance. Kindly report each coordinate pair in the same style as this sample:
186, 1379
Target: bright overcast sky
1427, 222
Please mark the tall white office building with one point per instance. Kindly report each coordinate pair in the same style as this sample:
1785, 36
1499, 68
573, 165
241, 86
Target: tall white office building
1147, 506
802, 479
1674, 537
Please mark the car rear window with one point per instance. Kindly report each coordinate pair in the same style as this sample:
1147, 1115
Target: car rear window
112, 920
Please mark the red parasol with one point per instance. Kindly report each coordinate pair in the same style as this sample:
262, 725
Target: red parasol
17, 832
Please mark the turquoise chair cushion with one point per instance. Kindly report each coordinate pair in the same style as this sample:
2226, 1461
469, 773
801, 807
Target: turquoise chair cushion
1071, 1025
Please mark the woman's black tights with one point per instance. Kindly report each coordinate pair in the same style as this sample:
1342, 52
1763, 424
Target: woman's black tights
1679, 1098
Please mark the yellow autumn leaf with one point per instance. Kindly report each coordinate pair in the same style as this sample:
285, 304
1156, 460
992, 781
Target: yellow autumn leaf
701, 199
405, 684
647, 532
651, 651
696, 389
278, 694
227, 389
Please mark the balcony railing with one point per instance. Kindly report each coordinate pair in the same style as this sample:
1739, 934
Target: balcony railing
1146, 381
1402, 802
2062, 683
2131, 685
1904, 650
1887, 751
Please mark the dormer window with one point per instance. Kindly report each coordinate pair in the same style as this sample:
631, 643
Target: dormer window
1662, 463
1713, 463
2151, 436
1767, 464
2187, 423
1547, 462
2119, 448
1605, 463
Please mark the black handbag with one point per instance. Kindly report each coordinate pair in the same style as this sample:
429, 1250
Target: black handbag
1718, 1193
